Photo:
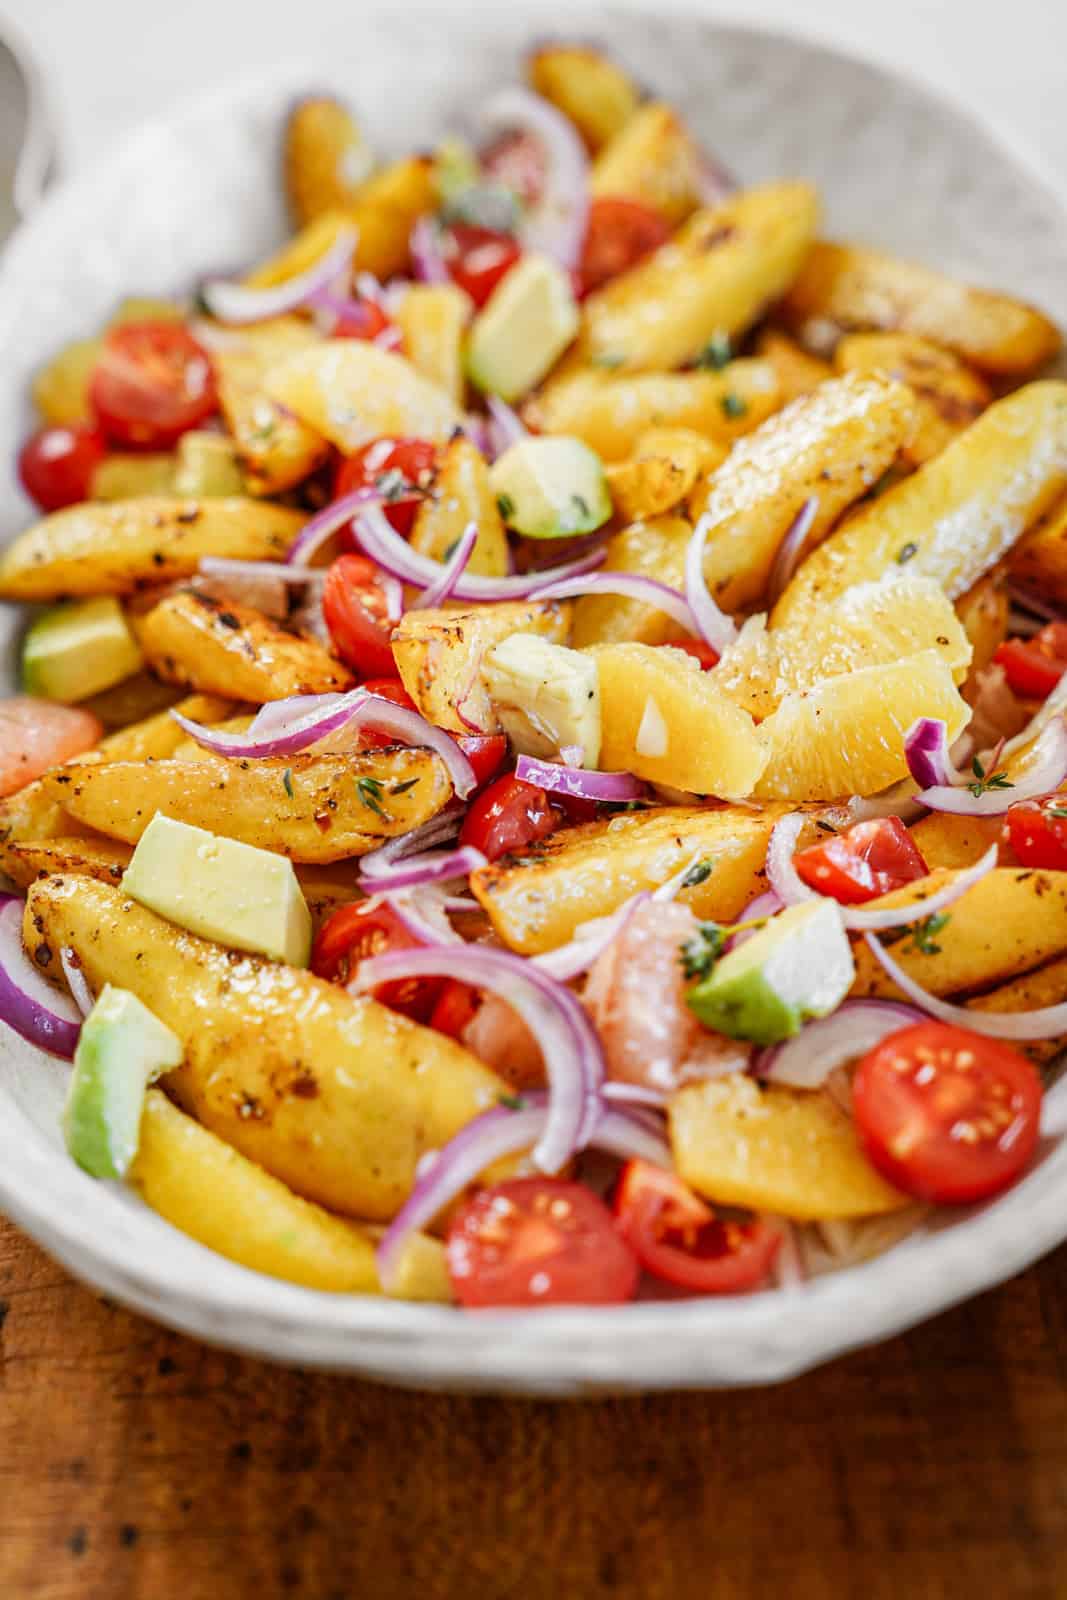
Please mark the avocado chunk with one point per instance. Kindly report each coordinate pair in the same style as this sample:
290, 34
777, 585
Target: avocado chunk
546, 697
551, 488
799, 966
527, 323
121, 1050
79, 649
234, 893
207, 466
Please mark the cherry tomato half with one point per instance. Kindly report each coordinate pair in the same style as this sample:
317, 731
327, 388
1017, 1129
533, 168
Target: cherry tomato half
357, 615
477, 258
151, 383
696, 648
455, 1007
363, 929
679, 1239
389, 689
56, 465
1037, 832
620, 234
485, 752
945, 1114
391, 465
510, 815
538, 1242
871, 859
38, 734
361, 319
1033, 667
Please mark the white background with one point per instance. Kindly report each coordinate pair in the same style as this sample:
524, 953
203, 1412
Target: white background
113, 62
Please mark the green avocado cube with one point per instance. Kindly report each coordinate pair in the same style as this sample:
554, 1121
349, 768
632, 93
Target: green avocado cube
527, 323
551, 488
121, 1050
79, 649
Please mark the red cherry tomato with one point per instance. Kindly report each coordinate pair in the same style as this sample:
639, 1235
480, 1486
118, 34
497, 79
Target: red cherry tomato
485, 752
1034, 667
517, 160
357, 615
390, 464
945, 1114
151, 383
477, 258
456, 1006
389, 689
620, 234
1037, 832
364, 929
510, 815
361, 319
871, 859
37, 734
56, 465
680, 1239
696, 648
538, 1242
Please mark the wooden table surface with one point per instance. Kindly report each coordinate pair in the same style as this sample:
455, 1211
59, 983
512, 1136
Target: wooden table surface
137, 1465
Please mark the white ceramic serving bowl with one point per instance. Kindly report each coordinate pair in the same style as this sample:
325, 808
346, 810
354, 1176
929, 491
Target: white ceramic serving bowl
200, 189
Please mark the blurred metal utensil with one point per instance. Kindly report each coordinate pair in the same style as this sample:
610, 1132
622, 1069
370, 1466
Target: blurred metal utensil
27, 138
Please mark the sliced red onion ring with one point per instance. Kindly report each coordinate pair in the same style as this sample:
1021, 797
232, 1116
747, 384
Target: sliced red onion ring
593, 938
453, 570
423, 915
505, 426
385, 546
436, 831
791, 889
926, 751
716, 183
569, 1044
807, 1060
557, 224
497, 1133
237, 303
630, 584
579, 782
1044, 774
83, 995
432, 867
713, 625
638, 1094
788, 555
28, 1004
426, 254
1047, 1022
668, 890
358, 709
764, 905
332, 518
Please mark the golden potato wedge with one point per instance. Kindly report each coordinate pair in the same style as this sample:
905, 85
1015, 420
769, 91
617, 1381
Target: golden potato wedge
832, 444
944, 840
275, 449
715, 276
590, 89
385, 211
785, 1151
326, 157
351, 392
438, 654
337, 1096
846, 287
340, 805
586, 872
73, 857
159, 735
983, 612
1047, 986
433, 319
797, 372
653, 549
611, 414
132, 700
129, 477
328, 887
652, 158
218, 647
60, 388
1039, 561
32, 814
300, 252
115, 549
665, 467
957, 516
948, 394
1007, 923
462, 494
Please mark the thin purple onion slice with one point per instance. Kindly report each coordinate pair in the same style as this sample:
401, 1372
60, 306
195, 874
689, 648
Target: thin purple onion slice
29, 1004
788, 554
438, 830
569, 1044
505, 425
1044, 773
426, 255
632, 585
332, 518
453, 570
807, 1060
579, 782
76, 983
436, 866
1047, 1022
713, 624
237, 303
556, 224
926, 750
593, 938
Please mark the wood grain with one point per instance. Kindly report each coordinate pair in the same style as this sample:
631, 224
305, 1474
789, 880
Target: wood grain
136, 1463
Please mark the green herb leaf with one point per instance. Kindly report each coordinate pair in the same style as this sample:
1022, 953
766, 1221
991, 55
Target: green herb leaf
699, 872
715, 354
392, 485
700, 953
1056, 811
505, 505
402, 788
982, 783
733, 405
287, 779
906, 552
514, 1102
370, 792
923, 934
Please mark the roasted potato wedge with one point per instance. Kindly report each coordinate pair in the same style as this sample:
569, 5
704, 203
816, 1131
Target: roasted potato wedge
1040, 560
1047, 986
944, 840
589, 88
983, 612
218, 647
115, 549
611, 414
433, 319
67, 856
665, 467
948, 394
958, 515
845, 287
586, 872
797, 372
653, 549
655, 159
32, 814
715, 276
438, 653
462, 495
133, 700
276, 450
351, 392
160, 735
832, 444
340, 805
337, 1096
326, 157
